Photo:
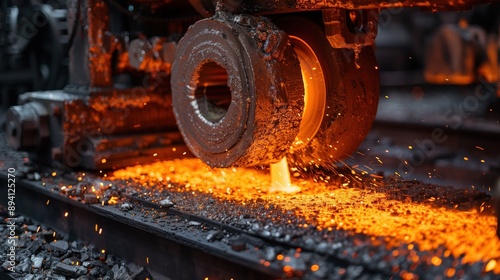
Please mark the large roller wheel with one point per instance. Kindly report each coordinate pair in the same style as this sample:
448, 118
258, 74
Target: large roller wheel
237, 91
341, 97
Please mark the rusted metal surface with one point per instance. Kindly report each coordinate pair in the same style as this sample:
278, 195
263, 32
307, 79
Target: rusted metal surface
265, 84
366, 4
93, 45
130, 114
350, 29
281, 6
97, 131
100, 43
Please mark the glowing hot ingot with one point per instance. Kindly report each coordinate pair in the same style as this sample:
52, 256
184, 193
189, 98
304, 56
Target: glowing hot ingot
280, 178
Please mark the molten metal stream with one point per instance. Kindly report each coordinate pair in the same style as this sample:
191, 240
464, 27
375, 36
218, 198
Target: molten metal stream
280, 178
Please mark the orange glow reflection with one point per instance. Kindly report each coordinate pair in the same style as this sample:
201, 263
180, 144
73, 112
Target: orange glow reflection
332, 206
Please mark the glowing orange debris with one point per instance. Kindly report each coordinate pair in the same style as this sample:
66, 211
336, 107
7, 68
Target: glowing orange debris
408, 275
450, 272
334, 204
436, 261
491, 265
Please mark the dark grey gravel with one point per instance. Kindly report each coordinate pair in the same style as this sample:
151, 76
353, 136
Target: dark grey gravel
215, 235
126, 206
90, 198
166, 203
70, 270
42, 254
60, 245
193, 223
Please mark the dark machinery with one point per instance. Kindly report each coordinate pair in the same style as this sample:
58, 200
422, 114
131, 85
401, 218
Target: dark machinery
245, 82
33, 48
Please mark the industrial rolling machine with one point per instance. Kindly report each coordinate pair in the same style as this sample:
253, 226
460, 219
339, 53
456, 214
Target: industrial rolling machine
245, 82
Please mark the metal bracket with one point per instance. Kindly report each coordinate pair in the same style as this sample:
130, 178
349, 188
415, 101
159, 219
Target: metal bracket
350, 28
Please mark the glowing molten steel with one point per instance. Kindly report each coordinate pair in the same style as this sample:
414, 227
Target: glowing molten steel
329, 204
280, 178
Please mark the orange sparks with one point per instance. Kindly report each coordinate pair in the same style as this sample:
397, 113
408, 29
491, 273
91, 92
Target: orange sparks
113, 200
376, 176
450, 272
314, 267
408, 275
436, 261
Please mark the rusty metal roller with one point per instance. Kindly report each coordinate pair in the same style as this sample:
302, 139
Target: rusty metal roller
237, 91
342, 89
